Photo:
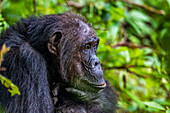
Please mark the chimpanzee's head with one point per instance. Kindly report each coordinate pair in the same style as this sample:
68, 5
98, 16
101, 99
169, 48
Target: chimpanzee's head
75, 42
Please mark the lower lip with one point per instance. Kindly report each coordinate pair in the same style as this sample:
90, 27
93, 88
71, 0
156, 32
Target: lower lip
103, 85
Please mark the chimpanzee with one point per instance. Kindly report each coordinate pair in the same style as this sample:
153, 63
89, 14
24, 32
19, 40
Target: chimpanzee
55, 53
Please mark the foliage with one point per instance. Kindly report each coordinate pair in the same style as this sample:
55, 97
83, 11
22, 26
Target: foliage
13, 89
134, 48
3, 23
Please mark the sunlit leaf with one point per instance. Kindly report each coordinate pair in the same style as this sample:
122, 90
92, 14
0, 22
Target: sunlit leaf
168, 2
99, 4
2, 52
13, 89
168, 111
114, 28
138, 15
117, 13
154, 105
135, 98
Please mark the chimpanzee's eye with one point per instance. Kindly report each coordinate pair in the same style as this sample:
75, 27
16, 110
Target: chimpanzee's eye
87, 46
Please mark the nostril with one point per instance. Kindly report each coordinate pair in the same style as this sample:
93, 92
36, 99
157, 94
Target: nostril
96, 63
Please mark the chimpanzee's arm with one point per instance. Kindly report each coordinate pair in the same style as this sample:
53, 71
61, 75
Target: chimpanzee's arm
27, 69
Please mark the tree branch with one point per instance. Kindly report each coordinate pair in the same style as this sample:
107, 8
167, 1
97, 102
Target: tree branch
146, 7
75, 4
2, 69
133, 73
129, 45
126, 67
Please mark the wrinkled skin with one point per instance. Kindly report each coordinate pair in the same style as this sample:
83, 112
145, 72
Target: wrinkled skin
81, 74
83, 64
87, 86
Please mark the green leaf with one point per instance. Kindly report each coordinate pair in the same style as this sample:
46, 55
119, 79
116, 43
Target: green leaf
117, 13
114, 29
168, 111
99, 4
131, 22
154, 105
3, 23
2, 52
135, 98
13, 89
138, 15
5, 4
168, 2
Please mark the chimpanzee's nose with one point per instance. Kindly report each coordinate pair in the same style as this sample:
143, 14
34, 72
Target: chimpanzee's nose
95, 61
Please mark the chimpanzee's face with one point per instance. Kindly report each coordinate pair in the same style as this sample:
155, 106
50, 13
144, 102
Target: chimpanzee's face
78, 60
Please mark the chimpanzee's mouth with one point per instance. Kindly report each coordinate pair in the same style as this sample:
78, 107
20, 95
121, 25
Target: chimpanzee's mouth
103, 85
100, 86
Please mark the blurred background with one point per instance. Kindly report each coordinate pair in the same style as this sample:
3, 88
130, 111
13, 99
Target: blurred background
134, 47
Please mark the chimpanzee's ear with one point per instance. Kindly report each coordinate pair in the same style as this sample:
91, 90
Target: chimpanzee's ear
54, 41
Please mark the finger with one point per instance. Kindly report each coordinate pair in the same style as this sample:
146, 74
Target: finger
75, 91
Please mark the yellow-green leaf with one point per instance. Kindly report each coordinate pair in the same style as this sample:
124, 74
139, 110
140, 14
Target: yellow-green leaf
13, 89
154, 105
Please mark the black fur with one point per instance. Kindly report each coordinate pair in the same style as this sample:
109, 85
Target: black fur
36, 71
26, 66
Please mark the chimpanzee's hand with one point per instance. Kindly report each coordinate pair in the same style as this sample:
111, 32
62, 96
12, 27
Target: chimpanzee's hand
84, 96
106, 98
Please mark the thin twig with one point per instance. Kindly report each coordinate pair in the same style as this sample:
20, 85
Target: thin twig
146, 7
35, 10
2, 69
129, 45
125, 68
123, 30
128, 66
124, 81
134, 73
0, 6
